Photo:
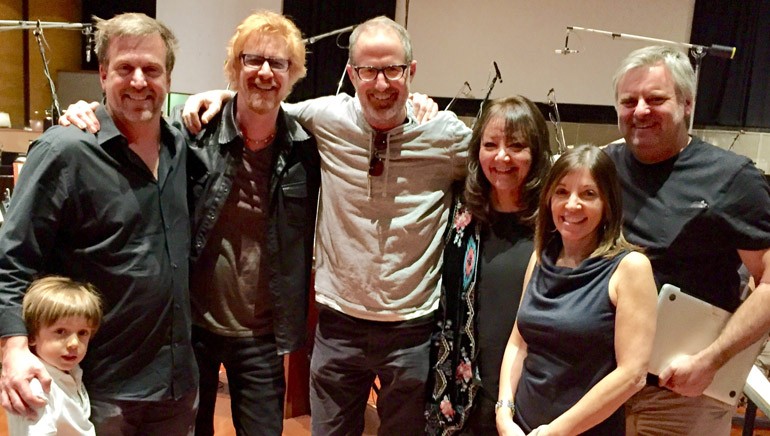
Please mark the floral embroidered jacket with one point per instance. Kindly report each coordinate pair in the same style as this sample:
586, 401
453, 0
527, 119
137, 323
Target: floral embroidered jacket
454, 377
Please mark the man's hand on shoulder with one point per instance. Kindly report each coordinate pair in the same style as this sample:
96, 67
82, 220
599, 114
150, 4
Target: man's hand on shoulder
20, 366
81, 115
210, 102
425, 109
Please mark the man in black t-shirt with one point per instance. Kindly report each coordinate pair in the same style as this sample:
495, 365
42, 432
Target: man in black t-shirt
699, 211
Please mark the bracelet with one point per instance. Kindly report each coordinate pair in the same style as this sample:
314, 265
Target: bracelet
505, 403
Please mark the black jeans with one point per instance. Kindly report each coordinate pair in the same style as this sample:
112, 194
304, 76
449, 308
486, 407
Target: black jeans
348, 354
144, 418
254, 376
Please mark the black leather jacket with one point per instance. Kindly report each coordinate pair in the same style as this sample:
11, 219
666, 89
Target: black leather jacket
214, 156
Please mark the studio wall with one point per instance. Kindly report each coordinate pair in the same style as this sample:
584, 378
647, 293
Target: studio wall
203, 31
457, 40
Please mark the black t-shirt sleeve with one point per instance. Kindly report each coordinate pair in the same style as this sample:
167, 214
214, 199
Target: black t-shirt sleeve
745, 209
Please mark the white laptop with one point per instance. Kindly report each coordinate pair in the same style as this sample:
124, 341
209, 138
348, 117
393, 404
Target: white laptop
687, 325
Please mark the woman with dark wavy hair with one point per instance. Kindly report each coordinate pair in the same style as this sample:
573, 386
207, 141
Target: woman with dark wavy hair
488, 245
584, 332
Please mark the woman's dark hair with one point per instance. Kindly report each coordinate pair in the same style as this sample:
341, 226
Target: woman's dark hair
523, 117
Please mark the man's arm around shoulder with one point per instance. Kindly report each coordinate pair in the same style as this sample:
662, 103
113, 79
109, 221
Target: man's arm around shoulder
27, 233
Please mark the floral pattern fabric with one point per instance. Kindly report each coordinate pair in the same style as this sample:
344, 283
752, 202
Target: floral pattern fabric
454, 376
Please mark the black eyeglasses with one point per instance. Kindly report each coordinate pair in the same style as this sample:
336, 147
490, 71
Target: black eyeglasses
257, 61
376, 165
391, 72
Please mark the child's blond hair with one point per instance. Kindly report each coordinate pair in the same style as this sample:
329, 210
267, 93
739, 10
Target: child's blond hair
52, 298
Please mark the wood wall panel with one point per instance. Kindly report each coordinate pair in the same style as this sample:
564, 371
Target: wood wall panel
64, 52
11, 69
64, 49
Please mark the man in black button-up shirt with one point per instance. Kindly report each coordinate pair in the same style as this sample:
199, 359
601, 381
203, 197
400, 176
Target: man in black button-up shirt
110, 208
253, 180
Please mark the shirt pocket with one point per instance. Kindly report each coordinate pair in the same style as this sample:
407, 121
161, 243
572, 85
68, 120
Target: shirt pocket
295, 195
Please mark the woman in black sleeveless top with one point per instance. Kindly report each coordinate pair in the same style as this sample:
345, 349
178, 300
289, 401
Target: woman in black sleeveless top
585, 328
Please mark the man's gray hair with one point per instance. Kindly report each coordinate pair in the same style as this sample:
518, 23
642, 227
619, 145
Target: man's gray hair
677, 63
132, 24
379, 22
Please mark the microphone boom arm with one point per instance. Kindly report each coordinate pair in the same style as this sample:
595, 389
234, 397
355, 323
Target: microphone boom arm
717, 50
698, 52
31, 25
313, 39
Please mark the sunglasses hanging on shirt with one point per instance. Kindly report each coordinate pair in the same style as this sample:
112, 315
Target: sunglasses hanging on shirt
376, 164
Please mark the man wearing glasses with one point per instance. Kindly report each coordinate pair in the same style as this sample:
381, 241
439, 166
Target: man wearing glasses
384, 206
254, 178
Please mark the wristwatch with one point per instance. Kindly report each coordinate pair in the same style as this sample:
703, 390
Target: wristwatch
505, 403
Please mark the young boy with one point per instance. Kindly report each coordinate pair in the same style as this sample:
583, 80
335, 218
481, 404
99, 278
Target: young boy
61, 317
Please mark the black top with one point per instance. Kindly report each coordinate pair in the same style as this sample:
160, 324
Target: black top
692, 213
506, 249
482, 278
229, 282
568, 322
87, 207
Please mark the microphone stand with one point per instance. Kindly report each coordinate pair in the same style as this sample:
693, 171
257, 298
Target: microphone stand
37, 30
698, 52
461, 91
556, 121
55, 110
486, 97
